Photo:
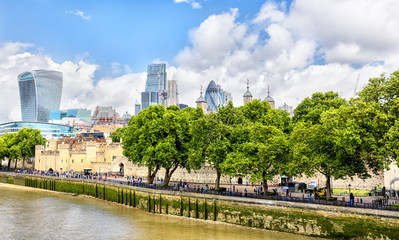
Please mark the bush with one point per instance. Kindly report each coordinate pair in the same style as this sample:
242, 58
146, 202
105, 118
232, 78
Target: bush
221, 189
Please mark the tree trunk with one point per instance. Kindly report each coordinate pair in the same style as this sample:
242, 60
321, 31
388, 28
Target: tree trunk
23, 163
328, 187
16, 161
217, 179
168, 175
265, 187
151, 175
9, 164
1, 160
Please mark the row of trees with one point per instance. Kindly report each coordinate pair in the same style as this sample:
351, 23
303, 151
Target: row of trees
327, 134
20, 146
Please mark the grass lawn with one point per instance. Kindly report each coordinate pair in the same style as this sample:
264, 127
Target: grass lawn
356, 192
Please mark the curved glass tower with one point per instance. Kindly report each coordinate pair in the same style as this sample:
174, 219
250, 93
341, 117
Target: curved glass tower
40, 92
213, 97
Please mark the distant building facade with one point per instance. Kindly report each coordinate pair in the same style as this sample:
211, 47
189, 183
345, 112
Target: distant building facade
156, 86
287, 108
182, 106
40, 92
137, 108
105, 116
48, 130
83, 114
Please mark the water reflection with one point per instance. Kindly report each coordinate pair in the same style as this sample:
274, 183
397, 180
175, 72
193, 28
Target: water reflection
47, 215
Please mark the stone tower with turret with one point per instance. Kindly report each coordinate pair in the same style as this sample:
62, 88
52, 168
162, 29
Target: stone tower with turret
201, 102
269, 99
247, 94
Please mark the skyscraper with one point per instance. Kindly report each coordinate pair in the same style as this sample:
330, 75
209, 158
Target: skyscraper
172, 93
40, 92
155, 87
215, 96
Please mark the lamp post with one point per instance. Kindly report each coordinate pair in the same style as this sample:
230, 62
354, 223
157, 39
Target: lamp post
350, 200
230, 187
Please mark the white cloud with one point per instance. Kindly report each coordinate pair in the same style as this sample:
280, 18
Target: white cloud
308, 48
79, 88
194, 4
80, 14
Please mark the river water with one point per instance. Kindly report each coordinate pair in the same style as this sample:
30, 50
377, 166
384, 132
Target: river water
27, 214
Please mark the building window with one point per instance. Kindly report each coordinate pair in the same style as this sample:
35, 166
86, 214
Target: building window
62, 161
72, 160
81, 161
60, 169
104, 159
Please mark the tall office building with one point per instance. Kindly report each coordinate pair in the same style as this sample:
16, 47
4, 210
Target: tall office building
40, 92
155, 87
215, 96
137, 108
172, 93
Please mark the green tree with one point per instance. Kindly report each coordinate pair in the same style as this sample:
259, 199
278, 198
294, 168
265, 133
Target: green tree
384, 91
262, 156
3, 150
210, 142
310, 109
27, 139
160, 138
141, 138
345, 143
9, 140
117, 135
259, 144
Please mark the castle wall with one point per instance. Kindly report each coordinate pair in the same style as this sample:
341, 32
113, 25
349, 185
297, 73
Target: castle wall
108, 158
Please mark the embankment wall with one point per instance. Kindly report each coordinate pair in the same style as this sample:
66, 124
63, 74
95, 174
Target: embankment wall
297, 218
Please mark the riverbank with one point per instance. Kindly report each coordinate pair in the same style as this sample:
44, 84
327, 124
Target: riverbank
298, 218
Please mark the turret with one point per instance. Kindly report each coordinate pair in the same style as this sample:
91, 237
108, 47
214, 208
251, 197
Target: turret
201, 102
269, 99
247, 94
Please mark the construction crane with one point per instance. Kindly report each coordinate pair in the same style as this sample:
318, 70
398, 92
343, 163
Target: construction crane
357, 82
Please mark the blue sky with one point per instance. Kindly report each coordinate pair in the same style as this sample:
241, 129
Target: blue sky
103, 47
128, 32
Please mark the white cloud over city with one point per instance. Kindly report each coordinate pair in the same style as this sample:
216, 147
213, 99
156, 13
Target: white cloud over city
314, 46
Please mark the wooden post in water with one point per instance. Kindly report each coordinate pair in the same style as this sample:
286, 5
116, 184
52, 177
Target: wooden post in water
134, 198
181, 206
214, 210
160, 203
205, 210
149, 203
196, 208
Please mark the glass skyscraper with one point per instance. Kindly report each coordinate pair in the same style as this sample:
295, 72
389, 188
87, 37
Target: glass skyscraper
215, 96
155, 87
40, 92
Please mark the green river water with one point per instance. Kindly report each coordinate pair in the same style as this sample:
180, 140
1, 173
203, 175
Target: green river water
28, 214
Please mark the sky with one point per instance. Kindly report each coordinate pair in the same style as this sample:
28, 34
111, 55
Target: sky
103, 48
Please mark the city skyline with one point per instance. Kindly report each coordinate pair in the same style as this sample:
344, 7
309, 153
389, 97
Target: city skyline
297, 48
